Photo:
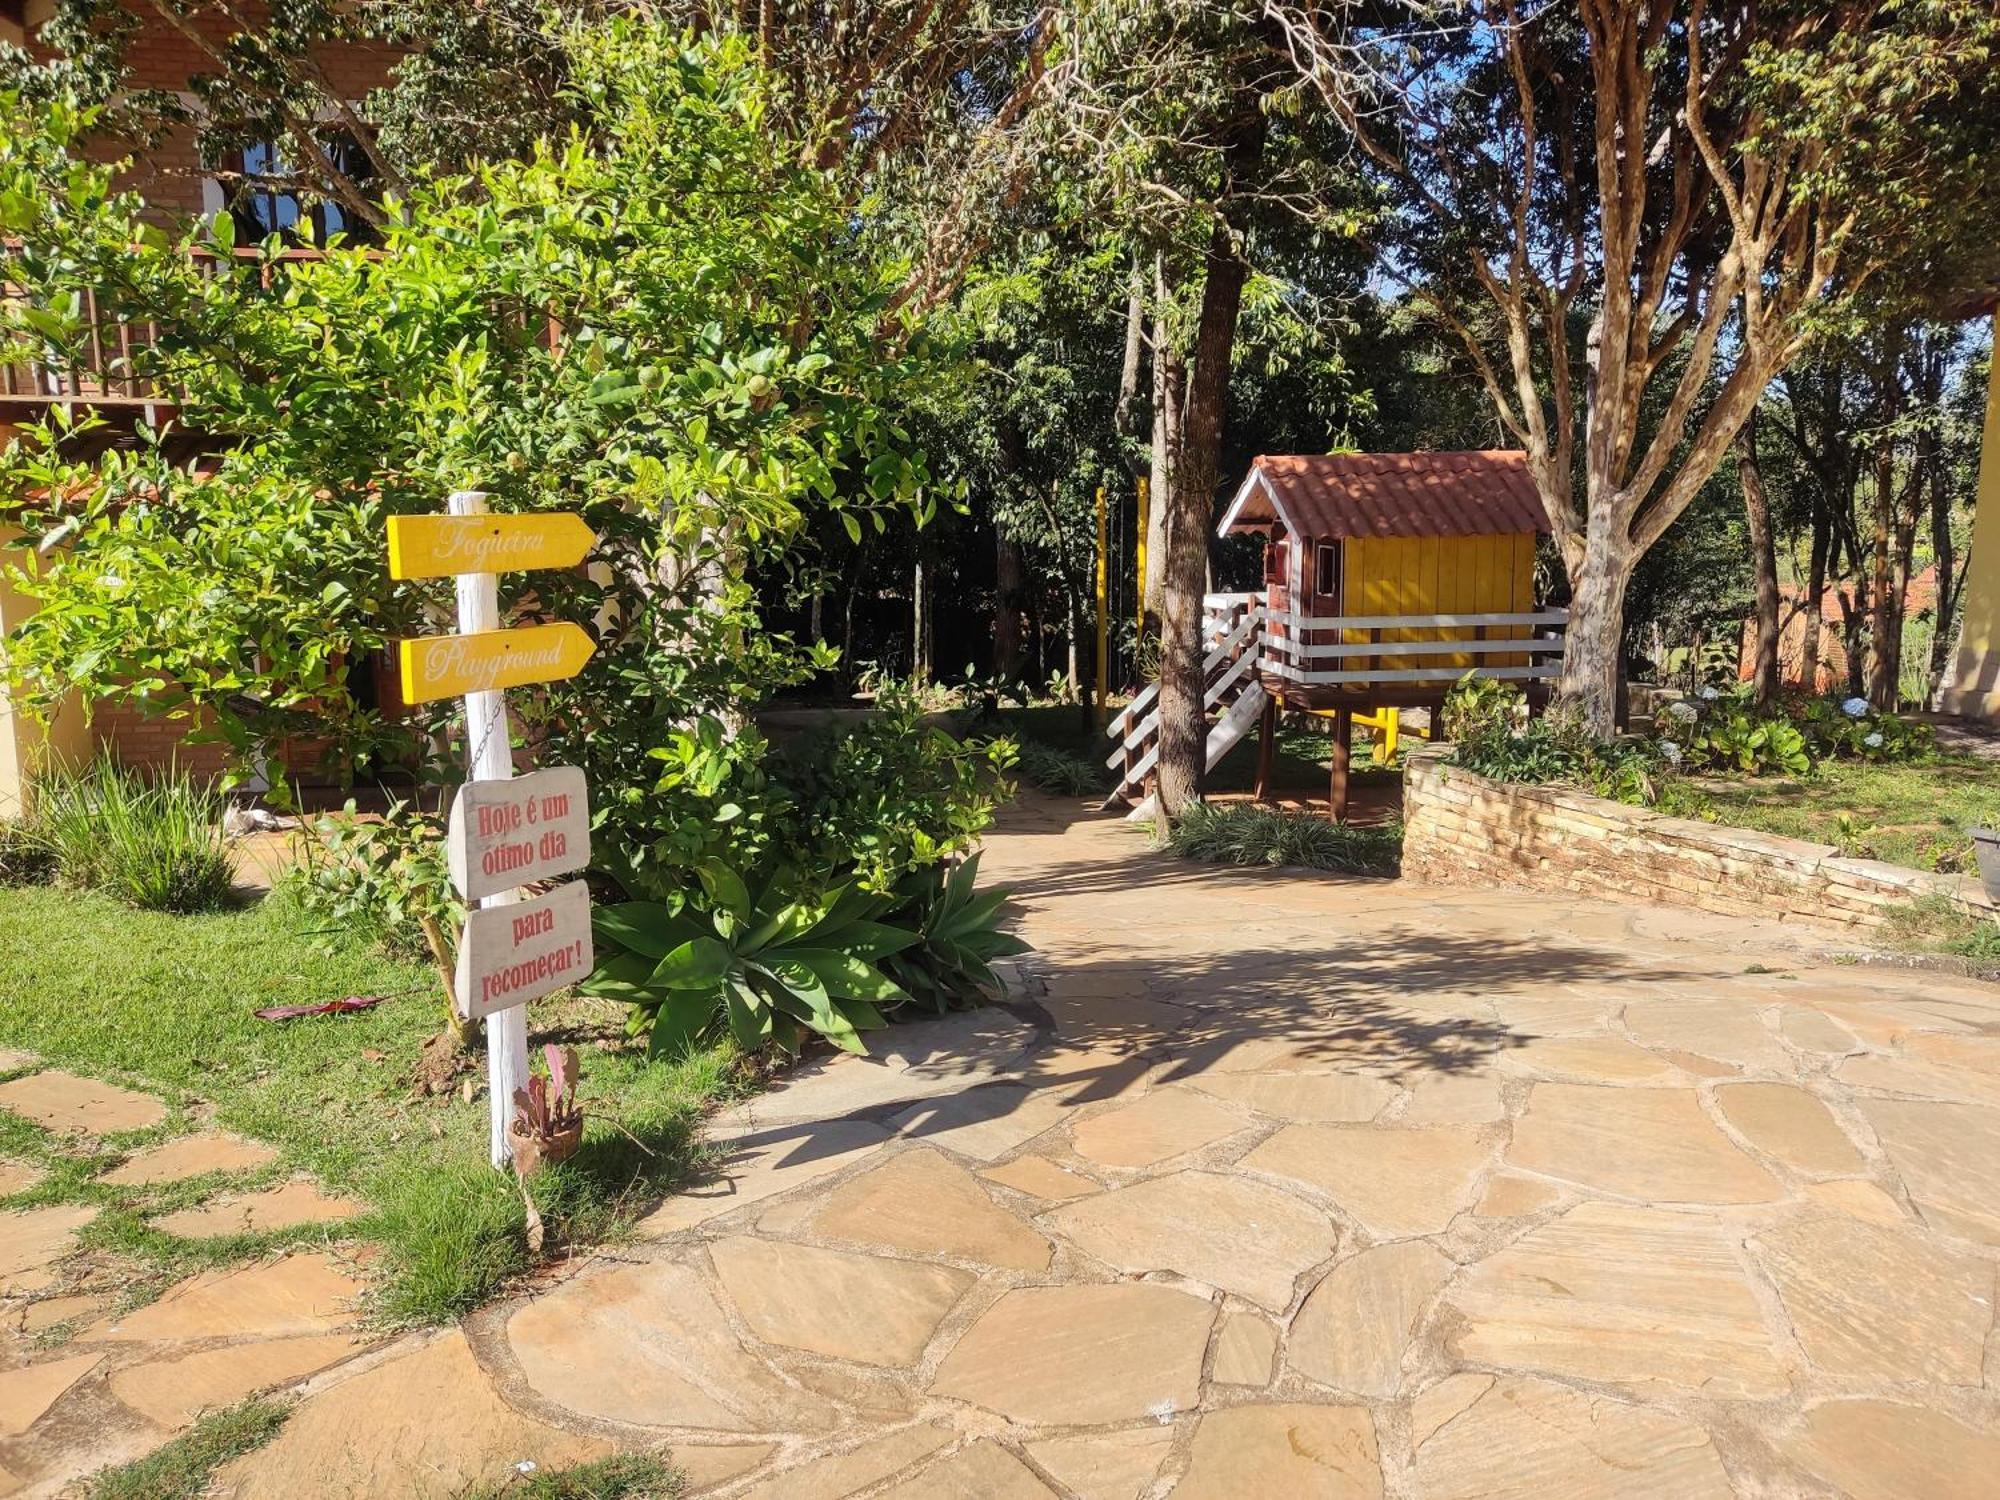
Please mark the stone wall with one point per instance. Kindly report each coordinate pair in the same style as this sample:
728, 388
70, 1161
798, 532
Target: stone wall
1462, 829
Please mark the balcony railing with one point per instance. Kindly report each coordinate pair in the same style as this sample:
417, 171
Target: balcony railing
104, 371
1357, 650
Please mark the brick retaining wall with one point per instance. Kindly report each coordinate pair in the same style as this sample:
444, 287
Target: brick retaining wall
1463, 829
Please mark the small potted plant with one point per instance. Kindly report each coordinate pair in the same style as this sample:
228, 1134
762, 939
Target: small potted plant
548, 1118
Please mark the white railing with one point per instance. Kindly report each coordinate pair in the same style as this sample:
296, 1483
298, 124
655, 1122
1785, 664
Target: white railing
1231, 625
1246, 640
1292, 652
1227, 623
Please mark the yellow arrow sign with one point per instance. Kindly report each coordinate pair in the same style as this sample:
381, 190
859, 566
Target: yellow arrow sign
438, 546
449, 666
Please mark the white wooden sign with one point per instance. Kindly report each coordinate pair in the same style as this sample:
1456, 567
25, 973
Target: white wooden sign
505, 834
509, 955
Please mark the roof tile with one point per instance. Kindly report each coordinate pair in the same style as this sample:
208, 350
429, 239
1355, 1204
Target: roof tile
1483, 493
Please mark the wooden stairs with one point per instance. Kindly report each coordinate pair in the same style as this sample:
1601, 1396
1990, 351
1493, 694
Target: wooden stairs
1232, 627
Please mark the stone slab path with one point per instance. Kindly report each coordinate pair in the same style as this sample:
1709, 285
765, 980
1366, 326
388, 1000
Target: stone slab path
1264, 1184
84, 1384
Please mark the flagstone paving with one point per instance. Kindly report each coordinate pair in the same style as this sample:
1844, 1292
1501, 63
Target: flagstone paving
1262, 1184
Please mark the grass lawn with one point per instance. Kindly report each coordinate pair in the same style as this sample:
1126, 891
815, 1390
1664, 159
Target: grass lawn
164, 1003
1912, 814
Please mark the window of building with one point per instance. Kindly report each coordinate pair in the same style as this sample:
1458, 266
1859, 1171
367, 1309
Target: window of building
269, 197
1326, 571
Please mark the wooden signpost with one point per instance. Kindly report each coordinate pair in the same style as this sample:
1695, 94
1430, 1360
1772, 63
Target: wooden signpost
505, 834
451, 666
511, 951
509, 955
442, 546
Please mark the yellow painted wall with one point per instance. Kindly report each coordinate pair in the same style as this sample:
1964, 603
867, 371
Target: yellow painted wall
25, 744
1972, 686
1441, 575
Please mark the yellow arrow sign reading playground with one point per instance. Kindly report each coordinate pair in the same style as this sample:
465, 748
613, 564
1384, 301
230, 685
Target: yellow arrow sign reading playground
439, 546
450, 666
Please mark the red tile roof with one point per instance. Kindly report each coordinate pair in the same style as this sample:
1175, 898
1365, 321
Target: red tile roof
1485, 493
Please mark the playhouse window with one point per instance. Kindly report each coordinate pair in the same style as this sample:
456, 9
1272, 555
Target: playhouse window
1326, 570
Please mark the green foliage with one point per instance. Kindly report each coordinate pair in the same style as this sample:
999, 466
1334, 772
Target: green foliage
1483, 718
1736, 739
766, 970
950, 961
153, 841
181, 1469
1717, 731
1246, 834
709, 797
893, 793
729, 346
1059, 771
381, 877
770, 970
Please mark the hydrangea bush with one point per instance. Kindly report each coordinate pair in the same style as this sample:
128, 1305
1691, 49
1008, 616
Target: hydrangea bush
1714, 731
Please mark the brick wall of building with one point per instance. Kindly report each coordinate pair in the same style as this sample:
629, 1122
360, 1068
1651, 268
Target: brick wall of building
1463, 829
169, 175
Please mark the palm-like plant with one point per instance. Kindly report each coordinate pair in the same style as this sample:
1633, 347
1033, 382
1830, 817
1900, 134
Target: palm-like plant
955, 940
770, 970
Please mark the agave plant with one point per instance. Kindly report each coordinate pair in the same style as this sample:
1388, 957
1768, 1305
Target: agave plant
956, 941
769, 969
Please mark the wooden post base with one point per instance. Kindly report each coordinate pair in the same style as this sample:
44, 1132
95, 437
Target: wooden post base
1267, 749
1343, 758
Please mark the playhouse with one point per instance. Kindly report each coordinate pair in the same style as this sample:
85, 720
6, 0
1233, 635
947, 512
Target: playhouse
1387, 578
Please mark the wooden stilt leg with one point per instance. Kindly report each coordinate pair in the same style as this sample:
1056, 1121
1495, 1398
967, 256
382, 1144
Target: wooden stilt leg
1343, 754
1267, 748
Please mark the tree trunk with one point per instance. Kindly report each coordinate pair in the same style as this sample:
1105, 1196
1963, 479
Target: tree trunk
1881, 685
1594, 640
1764, 555
1009, 573
1943, 555
1183, 724
1127, 420
1822, 538
1169, 391
920, 625
854, 572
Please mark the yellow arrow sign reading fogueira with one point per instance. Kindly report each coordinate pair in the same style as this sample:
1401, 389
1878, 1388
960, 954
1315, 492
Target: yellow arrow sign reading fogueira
449, 666
438, 546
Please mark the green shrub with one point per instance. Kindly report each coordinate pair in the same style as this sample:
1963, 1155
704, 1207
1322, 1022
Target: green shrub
1485, 721
1727, 731
892, 793
154, 841
950, 961
383, 878
1059, 771
768, 969
1245, 834
774, 968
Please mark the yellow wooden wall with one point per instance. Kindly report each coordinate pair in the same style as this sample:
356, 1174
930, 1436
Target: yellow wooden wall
1441, 575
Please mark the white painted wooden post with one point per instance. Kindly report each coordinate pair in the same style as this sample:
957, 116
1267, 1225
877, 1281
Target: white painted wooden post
489, 756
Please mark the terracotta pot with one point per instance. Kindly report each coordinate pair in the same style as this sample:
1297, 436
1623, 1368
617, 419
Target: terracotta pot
531, 1152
